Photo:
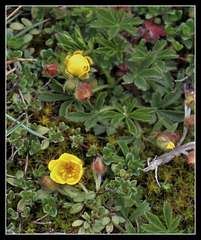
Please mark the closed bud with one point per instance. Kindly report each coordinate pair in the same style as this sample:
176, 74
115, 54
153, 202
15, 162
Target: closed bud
190, 122
49, 184
70, 85
99, 166
190, 100
191, 158
155, 135
164, 142
83, 92
51, 70
94, 83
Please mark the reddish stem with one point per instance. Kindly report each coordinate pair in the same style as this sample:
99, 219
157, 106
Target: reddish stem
83, 145
181, 58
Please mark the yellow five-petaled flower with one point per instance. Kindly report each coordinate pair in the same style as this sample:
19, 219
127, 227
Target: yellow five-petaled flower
77, 65
66, 170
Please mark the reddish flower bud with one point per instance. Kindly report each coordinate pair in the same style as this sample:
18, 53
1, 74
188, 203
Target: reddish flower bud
99, 166
191, 157
174, 137
51, 70
49, 184
164, 142
155, 135
190, 100
190, 122
83, 92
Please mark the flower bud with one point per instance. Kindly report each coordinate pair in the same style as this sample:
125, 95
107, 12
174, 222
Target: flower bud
164, 142
49, 184
94, 83
99, 166
51, 70
70, 85
190, 100
155, 135
191, 157
190, 122
83, 92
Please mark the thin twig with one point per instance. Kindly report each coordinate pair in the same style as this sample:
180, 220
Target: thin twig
16, 10
47, 83
181, 80
22, 97
26, 165
11, 71
21, 60
15, 122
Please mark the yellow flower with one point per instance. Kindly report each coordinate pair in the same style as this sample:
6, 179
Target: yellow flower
66, 170
77, 65
170, 145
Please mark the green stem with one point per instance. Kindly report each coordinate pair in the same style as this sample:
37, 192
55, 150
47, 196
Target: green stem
101, 87
83, 187
110, 79
96, 180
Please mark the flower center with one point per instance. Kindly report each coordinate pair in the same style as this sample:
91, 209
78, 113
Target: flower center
69, 170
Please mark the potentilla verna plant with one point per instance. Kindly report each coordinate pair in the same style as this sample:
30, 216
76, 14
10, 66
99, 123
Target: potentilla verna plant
100, 121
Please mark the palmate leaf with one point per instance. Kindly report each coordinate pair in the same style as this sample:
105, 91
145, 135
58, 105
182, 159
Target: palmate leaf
116, 21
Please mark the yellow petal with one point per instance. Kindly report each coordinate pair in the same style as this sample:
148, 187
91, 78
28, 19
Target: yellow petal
68, 157
52, 164
89, 60
170, 145
83, 76
78, 52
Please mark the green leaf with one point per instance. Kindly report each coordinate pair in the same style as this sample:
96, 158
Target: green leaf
171, 128
100, 100
156, 99
117, 119
16, 26
91, 122
141, 114
168, 79
170, 98
148, 60
55, 85
77, 223
141, 83
150, 73
63, 111
176, 116
109, 115
53, 96
131, 127
79, 38
130, 106
151, 228
166, 54
22, 125
79, 116
140, 210
30, 27
158, 125
167, 211
155, 221
175, 223
130, 228
16, 127
128, 78
124, 147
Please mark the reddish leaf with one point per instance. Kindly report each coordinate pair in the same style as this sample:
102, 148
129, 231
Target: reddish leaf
153, 31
